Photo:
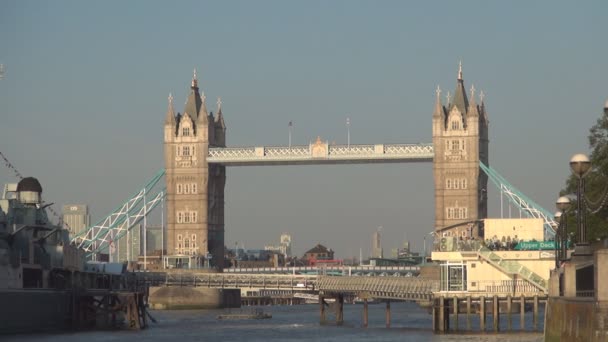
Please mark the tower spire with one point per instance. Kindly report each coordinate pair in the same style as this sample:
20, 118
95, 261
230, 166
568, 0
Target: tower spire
460, 95
194, 80
460, 70
170, 118
438, 107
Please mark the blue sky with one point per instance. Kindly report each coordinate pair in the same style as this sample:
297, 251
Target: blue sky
86, 85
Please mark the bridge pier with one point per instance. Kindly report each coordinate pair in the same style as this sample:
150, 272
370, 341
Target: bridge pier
482, 313
468, 313
495, 314
365, 312
388, 313
455, 311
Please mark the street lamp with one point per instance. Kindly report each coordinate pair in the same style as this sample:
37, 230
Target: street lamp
580, 165
556, 227
563, 204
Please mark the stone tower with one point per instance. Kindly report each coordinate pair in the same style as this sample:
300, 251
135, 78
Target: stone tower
460, 140
195, 189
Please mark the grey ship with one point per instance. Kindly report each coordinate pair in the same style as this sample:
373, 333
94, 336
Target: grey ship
36, 260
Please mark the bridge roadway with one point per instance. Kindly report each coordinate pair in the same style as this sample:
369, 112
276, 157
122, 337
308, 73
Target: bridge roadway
394, 288
320, 152
346, 270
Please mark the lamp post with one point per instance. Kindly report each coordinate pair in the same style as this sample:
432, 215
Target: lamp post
556, 226
580, 165
563, 204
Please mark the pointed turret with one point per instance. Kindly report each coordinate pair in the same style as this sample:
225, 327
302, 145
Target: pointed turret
202, 112
170, 117
220, 125
473, 111
193, 104
460, 96
439, 111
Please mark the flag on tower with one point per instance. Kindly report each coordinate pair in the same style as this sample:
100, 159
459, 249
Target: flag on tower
290, 123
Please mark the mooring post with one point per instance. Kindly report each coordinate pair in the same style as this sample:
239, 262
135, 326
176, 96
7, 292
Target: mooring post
442, 312
468, 313
340, 313
455, 313
522, 313
365, 312
509, 317
482, 313
535, 319
435, 318
388, 313
495, 313
322, 308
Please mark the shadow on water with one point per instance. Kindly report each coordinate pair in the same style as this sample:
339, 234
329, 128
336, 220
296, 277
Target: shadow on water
292, 323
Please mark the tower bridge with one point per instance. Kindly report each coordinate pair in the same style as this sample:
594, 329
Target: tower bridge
196, 156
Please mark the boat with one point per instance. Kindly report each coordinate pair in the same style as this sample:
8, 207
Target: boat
256, 314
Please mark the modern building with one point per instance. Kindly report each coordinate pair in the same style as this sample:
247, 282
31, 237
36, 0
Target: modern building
76, 218
460, 140
376, 245
129, 246
195, 189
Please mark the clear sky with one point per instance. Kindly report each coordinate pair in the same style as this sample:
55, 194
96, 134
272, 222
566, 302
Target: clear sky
86, 83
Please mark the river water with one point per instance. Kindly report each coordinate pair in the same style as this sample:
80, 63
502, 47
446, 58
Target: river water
292, 323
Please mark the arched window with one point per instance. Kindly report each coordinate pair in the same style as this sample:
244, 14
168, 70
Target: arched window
179, 237
194, 188
187, 243
456, 185
455, 124
187, 188
180, 218
448, 183
194, 217
179, 188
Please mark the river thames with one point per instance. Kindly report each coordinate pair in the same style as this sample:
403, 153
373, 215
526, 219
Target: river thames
290, 323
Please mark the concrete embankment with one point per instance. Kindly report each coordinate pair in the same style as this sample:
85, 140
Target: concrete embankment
576, 319
192, 298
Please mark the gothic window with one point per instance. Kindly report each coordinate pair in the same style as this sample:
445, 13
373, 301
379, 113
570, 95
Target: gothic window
448, 183
456, 184
193, 153
450, 213
455, 124
186, 131
194, 218
179, 150
455, 145
187, 217
464, 214
193, 238
187, 188
186, 243
194, 188
186, 150
464, 183
179, 188
179, 237
179, 220
462, 144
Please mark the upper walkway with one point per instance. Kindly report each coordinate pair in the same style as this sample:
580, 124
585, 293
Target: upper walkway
320, 152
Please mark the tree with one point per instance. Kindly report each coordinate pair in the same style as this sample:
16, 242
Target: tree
596, 183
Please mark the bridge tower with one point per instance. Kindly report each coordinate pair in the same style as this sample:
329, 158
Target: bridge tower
460, 141
195, 190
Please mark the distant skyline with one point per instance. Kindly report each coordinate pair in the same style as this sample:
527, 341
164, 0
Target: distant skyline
85, 91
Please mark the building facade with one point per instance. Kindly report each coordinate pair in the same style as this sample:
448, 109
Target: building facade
460, 140
76, 218
195, 189
377, 245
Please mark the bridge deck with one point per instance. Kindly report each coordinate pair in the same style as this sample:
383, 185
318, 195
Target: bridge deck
320, 153
398, 288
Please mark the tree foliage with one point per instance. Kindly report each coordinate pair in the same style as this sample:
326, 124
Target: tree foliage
596, 183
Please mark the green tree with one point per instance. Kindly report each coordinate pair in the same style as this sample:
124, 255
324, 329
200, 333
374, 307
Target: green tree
596, 183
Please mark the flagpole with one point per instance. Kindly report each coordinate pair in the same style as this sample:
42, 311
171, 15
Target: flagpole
290, 128
348, 132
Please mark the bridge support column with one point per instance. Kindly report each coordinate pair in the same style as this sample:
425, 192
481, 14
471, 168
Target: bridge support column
455, 311
468, 313
323, 318
340, 310
495, 313
444, 316
509, 317
535, 313
522, 313
365, 313
388, 314
482, 313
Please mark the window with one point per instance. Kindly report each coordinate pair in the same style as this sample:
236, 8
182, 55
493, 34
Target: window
186, 150
179, 188
193, 219
464, 183
187, 188
448, 183
186, 131
187, 243
455, 124
193, 237
179, 237
187, 217
450, 213
456, 184
194, 188
180, 218
455, 145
